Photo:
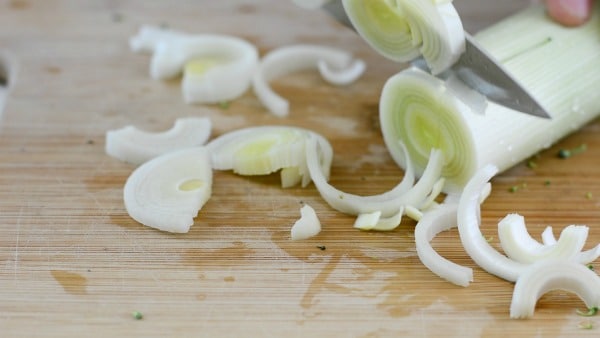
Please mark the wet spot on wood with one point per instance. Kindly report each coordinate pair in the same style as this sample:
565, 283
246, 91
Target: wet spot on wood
53, 70
71, 282
19, 4
246, 9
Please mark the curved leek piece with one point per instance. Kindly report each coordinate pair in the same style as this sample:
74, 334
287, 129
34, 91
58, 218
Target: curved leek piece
473, 241
344, 76
307, 226
518, 244
167, 192
136, 146
549, 275
311, 4
388, 205
264, 150
216, 68
423, 112
374, 221
401, 30
433, 222
584, 257
286, 60
149, 37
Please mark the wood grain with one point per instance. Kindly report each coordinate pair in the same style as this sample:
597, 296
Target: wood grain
72, 263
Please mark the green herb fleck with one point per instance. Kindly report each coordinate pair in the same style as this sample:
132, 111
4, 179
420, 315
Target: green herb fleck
137, 315
566, 153
224, 104
547, 182
588, 195
531, 164
514, 188
591, 267
586, 325
589, 313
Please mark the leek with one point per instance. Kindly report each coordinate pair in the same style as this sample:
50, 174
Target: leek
560, 66
132, 145
167, 192
402, 30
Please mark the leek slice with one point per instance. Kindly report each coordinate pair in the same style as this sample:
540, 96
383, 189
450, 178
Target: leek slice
584, 257
167, 192
136, 146
401, 30
285, 60
215, 68
441, 219
388, 204
550, 275
560, 66
307, 226
267, 149
469, 218
518, 244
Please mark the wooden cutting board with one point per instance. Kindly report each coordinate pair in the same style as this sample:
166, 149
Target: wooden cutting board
72, 263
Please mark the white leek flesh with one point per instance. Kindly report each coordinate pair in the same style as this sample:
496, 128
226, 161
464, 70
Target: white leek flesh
584, 257
402, 30
560, 66
433, 222
136, 146
473, 241
518, 244
216, 68
266, 149
548, 275
285, 60
387, 204
168, 191
307, 226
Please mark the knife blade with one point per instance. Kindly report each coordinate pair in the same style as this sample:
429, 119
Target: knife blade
477, 69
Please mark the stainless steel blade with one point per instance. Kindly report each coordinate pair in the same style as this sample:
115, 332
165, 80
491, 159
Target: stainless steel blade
477, 69
481, 72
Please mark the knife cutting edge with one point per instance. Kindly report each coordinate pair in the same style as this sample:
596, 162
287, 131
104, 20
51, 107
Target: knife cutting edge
477, 69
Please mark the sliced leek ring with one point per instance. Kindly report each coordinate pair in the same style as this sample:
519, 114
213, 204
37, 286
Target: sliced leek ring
216, 68
518, 244
402, 30
167, 192
136, 146
285, 60
267, 149
549, 275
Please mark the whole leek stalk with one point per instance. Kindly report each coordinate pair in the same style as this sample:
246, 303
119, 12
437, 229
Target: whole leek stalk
560, 66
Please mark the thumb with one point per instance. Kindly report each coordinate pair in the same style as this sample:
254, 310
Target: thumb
569, 12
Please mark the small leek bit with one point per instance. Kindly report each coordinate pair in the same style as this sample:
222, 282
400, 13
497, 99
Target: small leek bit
401, 30
167, 192
425, 112
307, 226
136, 146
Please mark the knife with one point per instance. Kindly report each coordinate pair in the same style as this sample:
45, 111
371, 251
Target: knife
477, 69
